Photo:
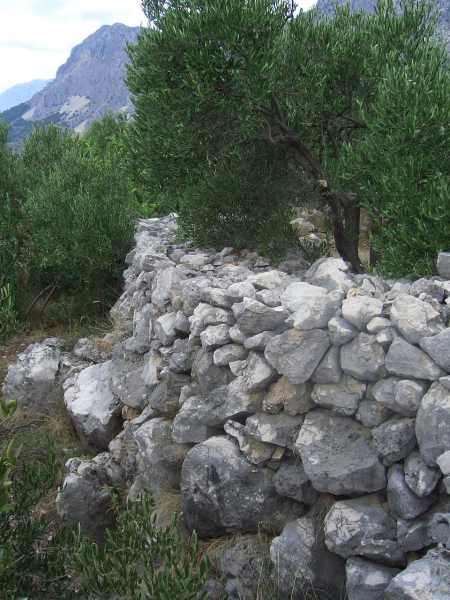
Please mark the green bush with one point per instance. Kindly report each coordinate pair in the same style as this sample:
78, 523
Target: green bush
141, 562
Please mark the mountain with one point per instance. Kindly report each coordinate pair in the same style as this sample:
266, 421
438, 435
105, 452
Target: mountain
87, 86
443, 6
22, 92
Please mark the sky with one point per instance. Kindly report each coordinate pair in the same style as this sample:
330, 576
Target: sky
36, 36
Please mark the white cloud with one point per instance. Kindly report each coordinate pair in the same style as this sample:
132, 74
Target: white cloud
36, 36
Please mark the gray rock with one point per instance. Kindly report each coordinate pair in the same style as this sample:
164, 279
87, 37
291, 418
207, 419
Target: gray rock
362, 527
214, 336
254, 317
258, 373
182, 325
427, 577
330, 273
440, 529
403, 503
406, 360
438, 347
165, 397
430, 287
259, 341
94, 350
371, 413
166, 283
402, 396
414, 318
363, 358
92, 406
302, 562
205, 314
85, 498
433, 423
443, 461
312, 306
254, 450
270, 280
181, 356
240, 290
281, 429
367, 580
237, 336
222, 492
291, 481
216, 297
415, 534
295, 399
196, 260
159, 458
342, 398
394, 439
32, 380
207, 374
443, 265
360, 310
378, 324
329, 369
269, 297
297, 354
229, 353
337, 456
341, 331
420, 478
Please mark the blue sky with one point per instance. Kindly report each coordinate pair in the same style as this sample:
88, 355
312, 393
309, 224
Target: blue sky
36, 36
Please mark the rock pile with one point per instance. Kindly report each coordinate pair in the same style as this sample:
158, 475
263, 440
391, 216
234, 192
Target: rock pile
314, 406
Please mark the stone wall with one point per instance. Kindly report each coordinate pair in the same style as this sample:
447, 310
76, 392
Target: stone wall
312, 405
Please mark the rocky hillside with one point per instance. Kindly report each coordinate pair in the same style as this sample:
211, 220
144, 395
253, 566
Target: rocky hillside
443, 6
312, 406
87, 86
20, 93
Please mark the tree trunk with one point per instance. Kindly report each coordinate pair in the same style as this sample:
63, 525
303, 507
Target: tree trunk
346, 219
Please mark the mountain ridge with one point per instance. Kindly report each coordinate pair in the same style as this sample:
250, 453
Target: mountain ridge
21, 92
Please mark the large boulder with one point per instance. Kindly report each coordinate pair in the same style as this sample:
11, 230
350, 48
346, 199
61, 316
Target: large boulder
297, 354
337, 455
414, 318
425, 579
32, 380
433, 423
222, 492
362, 527
93, 407
367, 580
303, 565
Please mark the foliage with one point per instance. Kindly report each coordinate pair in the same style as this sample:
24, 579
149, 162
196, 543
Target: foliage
140, 561
220, 87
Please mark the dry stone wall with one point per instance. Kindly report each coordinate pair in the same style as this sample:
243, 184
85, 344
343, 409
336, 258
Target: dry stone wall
312, 404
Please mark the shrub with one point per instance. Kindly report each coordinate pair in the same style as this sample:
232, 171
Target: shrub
141, 562
81, 214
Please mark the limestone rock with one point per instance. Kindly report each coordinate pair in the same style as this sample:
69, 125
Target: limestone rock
329, 369
297, 354
405, 360
302, 562
438, 347
291, 481
222, 492
165, 397
337, 456
419, 477
367, 580
394, 439
363, 358
207, 374
342, 398
92, 406
254, 317
402, 396
281, 429
270, 280
312, 306
443, 265
414, 318
360, 310
258, 341
371, 413
214, 336
362, 527
403, 503
258, 373
295, 399
428, 577
254, 450
433, 423
341, 331
229, 353
32, 380
205, 314
330, 273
